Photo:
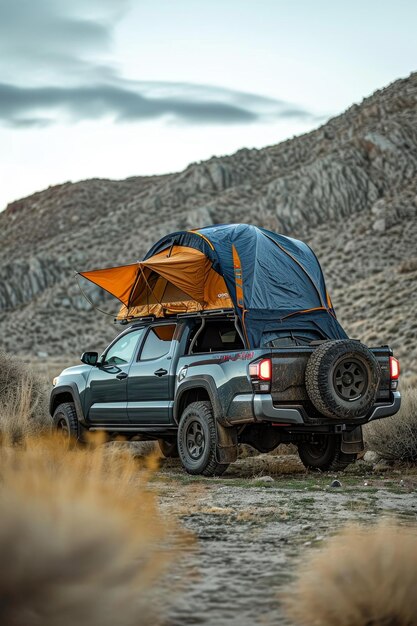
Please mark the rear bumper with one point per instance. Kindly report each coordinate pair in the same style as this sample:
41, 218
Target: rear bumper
264, 409
249, 408
259, 407
385, 410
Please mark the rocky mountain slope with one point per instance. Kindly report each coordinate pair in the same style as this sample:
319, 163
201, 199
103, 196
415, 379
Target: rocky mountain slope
349, 189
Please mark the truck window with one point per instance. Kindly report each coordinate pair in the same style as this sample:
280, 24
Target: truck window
218, 336
158, 342
122, 350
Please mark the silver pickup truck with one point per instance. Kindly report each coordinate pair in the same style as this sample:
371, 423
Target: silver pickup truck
190, 382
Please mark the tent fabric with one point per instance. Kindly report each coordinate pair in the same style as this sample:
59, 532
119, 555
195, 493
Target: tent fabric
116, 280
175, 281
281, 277
268, 278
186, 268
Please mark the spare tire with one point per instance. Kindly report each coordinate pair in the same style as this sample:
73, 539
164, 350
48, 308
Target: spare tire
342, 379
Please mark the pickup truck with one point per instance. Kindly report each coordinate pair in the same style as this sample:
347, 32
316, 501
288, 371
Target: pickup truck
190, 382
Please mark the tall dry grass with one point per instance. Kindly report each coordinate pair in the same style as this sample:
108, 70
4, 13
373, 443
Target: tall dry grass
395, 437
81, 539
360, 578
23, 399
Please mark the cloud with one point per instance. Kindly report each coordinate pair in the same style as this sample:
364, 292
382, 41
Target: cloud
54, 68
53, 38
53, 25
36, 106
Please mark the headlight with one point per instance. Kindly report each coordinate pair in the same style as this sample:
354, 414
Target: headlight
55, 380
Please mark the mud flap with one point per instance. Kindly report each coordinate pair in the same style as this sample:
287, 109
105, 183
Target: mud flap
352, 441
226, 449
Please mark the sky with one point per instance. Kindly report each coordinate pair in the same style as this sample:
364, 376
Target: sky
118, 88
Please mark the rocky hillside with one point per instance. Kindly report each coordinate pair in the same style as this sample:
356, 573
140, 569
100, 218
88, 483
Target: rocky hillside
349, 189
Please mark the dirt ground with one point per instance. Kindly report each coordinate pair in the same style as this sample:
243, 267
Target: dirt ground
253, 531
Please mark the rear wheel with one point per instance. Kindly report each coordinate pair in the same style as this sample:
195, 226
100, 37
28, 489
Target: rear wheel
324, 453
197, 441
66, 421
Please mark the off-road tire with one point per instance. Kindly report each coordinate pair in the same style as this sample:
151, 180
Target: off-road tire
335, 362
169, 449
65, 420
198, 418
326, 455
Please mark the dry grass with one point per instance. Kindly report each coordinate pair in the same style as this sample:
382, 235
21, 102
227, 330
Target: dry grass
395, 438
80, 537
361, 578
23, 399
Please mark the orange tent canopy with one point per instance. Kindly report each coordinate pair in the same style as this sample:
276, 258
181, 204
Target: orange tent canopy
176, 280
115, 280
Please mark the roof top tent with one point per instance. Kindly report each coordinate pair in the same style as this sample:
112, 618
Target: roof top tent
271, 281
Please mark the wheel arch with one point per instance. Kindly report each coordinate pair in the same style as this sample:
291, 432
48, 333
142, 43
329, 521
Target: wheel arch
66, 393
201, 388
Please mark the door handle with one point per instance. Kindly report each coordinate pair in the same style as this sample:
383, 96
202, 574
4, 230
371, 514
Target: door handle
121, 376
160, 372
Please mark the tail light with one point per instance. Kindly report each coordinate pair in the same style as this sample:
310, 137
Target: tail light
394, 368
260, 373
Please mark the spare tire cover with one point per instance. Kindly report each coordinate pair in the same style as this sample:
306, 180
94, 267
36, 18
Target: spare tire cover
342, 379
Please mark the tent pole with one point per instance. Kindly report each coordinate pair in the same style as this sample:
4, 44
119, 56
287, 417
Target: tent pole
77, 274
133, 289
239, 332
149, 287
170, 250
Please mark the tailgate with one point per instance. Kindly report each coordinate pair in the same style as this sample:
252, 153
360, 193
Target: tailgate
382, 355
288, 373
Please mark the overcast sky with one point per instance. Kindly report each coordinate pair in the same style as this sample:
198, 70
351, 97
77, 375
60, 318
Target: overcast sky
115, 88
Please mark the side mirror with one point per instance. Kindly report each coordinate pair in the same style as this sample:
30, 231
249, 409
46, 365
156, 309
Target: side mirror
89, 358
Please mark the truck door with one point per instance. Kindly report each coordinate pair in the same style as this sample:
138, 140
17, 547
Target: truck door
106, 393
150, 386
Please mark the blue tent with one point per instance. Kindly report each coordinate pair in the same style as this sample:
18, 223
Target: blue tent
274, 283
278, 284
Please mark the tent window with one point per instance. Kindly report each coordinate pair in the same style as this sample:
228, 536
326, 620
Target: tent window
288, 338
219, 336
158, 342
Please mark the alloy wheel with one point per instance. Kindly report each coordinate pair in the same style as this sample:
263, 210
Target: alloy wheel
62, 426
350, 379
195, 440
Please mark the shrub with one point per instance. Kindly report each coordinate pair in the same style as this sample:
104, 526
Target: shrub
395, 437
23, 399
410, 265
360, 578
80, 537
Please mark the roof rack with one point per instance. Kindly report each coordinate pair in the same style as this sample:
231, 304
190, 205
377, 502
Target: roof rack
123, 322
152, 318
212, 312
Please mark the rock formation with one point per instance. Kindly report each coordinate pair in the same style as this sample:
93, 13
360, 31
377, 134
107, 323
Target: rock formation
348, 188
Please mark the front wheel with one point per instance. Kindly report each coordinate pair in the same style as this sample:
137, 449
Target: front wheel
197, 441
325, 453
66, 421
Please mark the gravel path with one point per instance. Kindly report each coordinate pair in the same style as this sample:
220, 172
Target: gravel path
252, 532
